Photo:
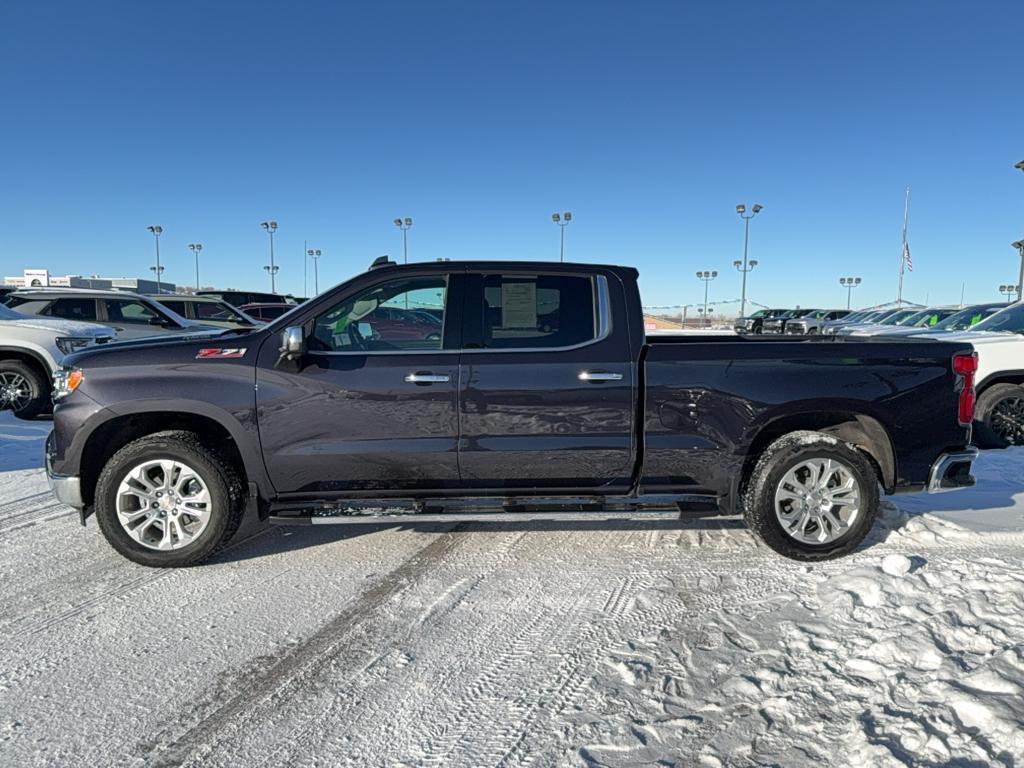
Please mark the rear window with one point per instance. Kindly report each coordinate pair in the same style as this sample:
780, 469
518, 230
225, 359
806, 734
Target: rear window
175, 306
73, 309
538, 311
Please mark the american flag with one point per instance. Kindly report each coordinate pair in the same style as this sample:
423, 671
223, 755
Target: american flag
906, 258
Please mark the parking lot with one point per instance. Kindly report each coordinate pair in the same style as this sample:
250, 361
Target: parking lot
533, 643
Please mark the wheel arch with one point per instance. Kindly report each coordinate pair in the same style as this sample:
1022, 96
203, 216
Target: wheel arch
1000, 377
861, 430
32, 357
225, 434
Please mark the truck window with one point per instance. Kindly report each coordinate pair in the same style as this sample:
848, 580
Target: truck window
386, 317
542, 311
74, 309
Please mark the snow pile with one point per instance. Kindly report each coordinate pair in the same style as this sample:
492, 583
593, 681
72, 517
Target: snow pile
896, 659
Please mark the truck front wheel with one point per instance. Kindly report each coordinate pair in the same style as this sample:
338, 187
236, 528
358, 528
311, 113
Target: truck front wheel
811, 496
166, 500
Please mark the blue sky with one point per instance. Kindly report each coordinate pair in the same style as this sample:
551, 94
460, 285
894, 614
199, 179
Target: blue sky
649, 121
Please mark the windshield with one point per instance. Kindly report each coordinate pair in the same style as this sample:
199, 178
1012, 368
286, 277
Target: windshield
854, 317
6, 313
898, 315
1009, 320
967, 318
927, 319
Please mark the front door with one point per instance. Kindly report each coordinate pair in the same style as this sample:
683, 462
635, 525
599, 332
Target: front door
373, 405
548, 396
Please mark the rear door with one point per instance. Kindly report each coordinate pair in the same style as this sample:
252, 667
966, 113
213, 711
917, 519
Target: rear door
547, 390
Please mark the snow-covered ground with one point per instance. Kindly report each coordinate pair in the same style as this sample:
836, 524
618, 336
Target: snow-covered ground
657, 643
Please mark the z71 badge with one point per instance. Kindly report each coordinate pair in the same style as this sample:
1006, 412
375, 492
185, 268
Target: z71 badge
220, 354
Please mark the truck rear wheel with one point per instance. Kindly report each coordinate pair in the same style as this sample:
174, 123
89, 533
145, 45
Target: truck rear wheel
811, 496
999, 416
165, 500
23, 389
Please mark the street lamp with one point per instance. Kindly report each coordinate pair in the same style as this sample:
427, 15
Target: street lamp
1019, 245
156, 230
849, 283
1009, 290
404, 225
707, 277
270, 227
314, 254
742, 211
196, 248
562, 221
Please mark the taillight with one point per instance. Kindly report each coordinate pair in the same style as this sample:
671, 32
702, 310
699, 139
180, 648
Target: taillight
965, 365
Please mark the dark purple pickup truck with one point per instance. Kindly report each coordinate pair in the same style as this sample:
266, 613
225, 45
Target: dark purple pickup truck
510, 389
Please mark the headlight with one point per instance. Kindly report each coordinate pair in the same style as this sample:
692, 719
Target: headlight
66, 381
69, 344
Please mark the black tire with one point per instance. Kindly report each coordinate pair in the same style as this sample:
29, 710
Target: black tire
999, 416
219, 476
779, 458
38, 387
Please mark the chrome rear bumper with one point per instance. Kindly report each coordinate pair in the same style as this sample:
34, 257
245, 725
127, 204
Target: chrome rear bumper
952, 471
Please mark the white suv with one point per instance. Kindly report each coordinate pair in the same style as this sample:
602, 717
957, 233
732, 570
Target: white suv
31, 351
999, 342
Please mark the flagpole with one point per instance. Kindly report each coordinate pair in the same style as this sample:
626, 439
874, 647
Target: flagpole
903, 247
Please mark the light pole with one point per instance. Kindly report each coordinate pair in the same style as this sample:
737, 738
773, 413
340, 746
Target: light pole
314, 254
562, 221
1009, 290
742, 211
849, 283
270, 227
707, 277
156, 230
196, 248
1019, 245
405, 225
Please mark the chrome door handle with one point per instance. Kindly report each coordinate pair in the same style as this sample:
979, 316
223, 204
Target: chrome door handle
599, 376
424, 377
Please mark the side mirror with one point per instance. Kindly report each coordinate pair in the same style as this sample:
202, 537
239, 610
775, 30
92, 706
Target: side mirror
158, 321
293, 345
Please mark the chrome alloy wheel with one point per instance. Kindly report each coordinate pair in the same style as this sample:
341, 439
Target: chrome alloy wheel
163, 504
1007, 420
817, 501
15, 391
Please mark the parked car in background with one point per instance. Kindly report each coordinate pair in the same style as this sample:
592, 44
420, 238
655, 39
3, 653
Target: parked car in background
565, 397
923, 320
888, 318
968, 317
754, 323
133, 316
999, 342
954, 320
267, 311
31, 352
241, 298
829, 327
777, 324
811, 323
206, 310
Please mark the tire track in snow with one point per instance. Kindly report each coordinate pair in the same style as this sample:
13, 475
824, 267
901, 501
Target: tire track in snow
236, 702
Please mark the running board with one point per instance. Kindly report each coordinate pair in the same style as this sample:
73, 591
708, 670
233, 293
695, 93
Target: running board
489, 517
